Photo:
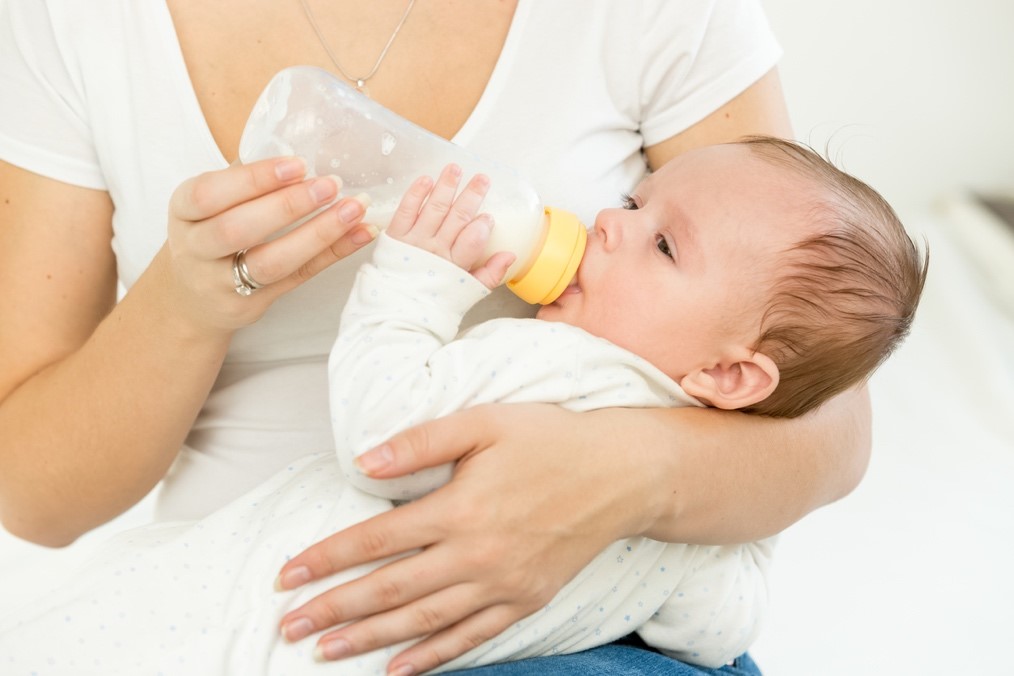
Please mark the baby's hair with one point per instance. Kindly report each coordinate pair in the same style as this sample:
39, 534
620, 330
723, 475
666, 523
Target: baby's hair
846, 295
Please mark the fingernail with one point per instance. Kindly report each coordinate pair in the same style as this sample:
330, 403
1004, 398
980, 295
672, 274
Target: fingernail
324, 189
331, 650
350, 210
402, 670
487, 220
296, 629
291, 168
363, 199
365, 234
375, 459
291, 579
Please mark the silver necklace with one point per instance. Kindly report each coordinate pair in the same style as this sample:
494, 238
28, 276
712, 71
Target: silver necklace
360, 81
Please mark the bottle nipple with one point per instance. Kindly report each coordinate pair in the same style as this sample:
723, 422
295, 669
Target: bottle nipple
554, 261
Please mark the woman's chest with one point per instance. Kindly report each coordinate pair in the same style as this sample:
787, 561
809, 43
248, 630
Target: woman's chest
434, 72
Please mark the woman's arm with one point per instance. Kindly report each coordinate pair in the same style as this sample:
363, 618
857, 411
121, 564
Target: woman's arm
492, 553
97, 397
742, 477
760, 109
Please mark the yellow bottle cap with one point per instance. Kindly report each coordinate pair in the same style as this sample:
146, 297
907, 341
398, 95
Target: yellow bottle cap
555, 263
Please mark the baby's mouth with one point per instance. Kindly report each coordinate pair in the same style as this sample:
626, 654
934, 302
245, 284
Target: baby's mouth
572, 288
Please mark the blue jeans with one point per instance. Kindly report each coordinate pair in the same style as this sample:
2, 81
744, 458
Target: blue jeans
622, 658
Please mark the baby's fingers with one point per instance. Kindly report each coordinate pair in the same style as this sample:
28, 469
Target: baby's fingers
461, 217
492, 272
408, 209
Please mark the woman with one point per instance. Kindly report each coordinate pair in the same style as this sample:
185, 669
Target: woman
115, 112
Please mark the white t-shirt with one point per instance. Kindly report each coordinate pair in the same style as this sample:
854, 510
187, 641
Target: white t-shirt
97, 94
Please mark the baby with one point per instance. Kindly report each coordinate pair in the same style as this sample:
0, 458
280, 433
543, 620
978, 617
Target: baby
753, 276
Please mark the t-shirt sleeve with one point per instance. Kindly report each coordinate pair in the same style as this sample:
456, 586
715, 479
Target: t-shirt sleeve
724, 47
43, 117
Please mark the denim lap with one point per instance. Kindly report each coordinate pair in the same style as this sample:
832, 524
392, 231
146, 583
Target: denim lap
611, 660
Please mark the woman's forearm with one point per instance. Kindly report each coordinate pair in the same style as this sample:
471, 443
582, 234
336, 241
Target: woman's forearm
723, 477
89, 435
102, 399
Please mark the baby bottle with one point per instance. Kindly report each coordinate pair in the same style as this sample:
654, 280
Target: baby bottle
307, 112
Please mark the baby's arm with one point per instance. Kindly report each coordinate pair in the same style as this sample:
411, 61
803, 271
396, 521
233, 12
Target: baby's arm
715, 612
403, 309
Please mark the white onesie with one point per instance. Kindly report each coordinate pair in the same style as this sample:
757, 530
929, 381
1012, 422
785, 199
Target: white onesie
195, 598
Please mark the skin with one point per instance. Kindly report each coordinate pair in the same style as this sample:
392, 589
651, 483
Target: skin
77, 364
688, 263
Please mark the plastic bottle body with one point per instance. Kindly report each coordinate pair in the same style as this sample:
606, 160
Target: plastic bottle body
307, 112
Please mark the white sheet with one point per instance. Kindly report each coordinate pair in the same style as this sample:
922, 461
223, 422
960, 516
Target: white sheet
911, 573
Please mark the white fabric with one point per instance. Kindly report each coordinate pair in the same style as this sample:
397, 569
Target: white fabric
97, 94
397, 362
194, 598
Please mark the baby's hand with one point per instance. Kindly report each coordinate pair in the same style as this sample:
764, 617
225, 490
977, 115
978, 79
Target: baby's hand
432, 218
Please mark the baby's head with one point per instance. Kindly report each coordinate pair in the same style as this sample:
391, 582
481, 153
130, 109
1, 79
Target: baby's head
846, 293
755, 274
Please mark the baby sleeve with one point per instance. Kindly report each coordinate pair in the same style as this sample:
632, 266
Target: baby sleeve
716, 612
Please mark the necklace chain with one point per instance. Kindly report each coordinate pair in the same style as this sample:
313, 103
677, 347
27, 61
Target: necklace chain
360, 81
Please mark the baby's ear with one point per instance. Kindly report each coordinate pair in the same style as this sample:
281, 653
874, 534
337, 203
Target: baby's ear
734, 383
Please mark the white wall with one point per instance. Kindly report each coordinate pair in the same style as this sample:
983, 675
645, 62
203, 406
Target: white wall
917, 96
911, 573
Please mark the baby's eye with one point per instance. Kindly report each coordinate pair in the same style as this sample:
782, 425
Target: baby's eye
663, 245
628, 202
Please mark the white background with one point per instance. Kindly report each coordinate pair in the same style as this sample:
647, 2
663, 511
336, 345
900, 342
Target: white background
912, 573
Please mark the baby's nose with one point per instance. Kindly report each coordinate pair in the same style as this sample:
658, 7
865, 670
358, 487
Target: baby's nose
609, 228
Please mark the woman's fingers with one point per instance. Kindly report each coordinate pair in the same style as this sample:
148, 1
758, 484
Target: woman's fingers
456, 640
211, 193
512, 555
431, 444
241, 208
336, 230
255, 220
390, 586
388, 534
421, 618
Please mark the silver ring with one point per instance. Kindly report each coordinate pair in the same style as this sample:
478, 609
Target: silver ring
241, 278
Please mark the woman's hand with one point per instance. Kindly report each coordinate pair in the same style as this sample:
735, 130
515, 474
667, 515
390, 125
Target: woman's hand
491, 547
217, 214
80, 362
538, 491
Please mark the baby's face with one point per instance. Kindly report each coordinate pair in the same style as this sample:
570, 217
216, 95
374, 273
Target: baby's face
681, 274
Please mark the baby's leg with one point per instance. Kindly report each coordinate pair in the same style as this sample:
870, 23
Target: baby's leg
192, 598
